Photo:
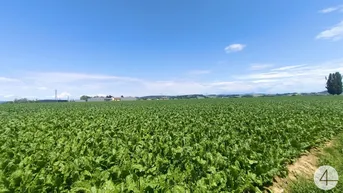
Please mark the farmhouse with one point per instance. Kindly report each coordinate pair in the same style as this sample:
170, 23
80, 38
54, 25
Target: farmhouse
115, 99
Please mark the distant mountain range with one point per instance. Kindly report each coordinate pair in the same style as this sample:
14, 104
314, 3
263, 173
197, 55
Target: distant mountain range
190, 96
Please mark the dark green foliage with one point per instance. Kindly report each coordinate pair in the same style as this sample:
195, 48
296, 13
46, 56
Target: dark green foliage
334, 83
84, 97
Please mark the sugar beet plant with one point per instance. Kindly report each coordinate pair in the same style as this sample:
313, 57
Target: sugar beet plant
214, 145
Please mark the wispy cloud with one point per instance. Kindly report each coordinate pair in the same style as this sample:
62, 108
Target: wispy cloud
276, 73
260, 66
265, 80
4, 79
60, 77
334, 33
63, 95
199, 72
233, 87
296, 71
332, 9
294, 77
287, 67
267, 75
30, 97
42, 88
289, 78
8, 96
234, 48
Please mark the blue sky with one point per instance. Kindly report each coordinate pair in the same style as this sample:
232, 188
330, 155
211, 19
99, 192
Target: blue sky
167, 47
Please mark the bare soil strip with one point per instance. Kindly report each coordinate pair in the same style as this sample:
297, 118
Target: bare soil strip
305, 167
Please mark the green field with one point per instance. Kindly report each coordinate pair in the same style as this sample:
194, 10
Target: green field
209, 145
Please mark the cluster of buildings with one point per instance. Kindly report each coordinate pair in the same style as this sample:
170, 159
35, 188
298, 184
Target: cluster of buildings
102, 99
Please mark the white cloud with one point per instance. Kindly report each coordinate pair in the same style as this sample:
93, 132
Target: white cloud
260, 66
42, 88
169, 87
30, 97
332, 9
4, 79
265, 80
63, 95
294, 78
334, 33
232, 86
191, 87
287, 67
199, 72
62, 77
296, 71
234, 48
266, 75
290, 78
8, 96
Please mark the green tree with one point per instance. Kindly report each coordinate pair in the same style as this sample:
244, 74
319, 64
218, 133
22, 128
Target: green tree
84, 97
334, 83
338, 83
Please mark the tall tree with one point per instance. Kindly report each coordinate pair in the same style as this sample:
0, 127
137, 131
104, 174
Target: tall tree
334, 83
338, 84
330, 84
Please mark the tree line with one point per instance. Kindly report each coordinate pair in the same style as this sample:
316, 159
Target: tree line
85, 97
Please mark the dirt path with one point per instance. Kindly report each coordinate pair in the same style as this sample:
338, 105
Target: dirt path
305, 166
